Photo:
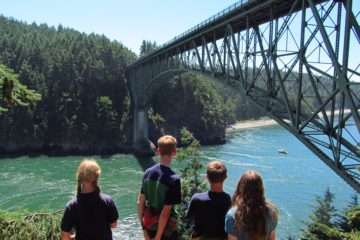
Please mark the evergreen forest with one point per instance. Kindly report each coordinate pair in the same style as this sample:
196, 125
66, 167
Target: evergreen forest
85, 101
85, 105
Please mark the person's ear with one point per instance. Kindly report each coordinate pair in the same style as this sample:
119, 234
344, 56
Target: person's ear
173, 153
158, 152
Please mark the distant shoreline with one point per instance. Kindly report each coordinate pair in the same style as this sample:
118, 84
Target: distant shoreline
247, 124
251, 124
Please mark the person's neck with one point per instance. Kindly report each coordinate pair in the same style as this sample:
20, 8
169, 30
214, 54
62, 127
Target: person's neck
216, 187
87, 188
165, 160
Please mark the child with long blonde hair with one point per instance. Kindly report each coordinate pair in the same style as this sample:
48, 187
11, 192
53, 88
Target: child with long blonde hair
91, 213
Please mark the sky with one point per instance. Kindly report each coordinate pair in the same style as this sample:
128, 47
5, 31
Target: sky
130, 21
127, 21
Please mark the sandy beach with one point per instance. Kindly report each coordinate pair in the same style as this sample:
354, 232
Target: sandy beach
251, 124
265, 122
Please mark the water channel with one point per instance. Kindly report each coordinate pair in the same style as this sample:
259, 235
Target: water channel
292, 180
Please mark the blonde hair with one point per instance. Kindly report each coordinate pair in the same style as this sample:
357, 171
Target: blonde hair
88, 171
167, 145
216, 171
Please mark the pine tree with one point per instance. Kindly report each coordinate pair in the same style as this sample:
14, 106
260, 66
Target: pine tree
191, 180
147, 47
349, 221
322, 223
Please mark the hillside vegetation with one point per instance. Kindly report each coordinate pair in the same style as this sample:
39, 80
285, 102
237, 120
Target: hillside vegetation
85, 101
85, 105
205, 107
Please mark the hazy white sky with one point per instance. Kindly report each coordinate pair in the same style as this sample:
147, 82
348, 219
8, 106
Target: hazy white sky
127, 21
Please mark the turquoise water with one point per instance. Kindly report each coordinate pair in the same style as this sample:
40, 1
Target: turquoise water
291, 180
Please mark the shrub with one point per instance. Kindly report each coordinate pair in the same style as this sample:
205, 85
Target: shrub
191, 180
22, 225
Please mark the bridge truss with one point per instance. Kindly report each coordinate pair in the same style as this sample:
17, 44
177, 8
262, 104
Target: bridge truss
297, 60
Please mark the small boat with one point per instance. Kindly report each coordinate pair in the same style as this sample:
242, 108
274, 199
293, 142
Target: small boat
283, 151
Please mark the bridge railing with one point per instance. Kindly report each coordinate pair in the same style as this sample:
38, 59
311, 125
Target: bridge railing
211, 19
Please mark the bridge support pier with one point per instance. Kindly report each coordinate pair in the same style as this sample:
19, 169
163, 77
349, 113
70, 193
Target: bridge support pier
141, 126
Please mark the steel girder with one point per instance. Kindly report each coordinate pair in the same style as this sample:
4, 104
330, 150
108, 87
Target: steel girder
297, 60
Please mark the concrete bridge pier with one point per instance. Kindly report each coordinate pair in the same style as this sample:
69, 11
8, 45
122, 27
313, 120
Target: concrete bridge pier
141, 126
142, 145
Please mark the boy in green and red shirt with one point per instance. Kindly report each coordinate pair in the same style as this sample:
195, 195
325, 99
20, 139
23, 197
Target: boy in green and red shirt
160, 190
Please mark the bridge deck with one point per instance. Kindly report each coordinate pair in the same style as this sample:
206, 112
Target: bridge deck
213, 28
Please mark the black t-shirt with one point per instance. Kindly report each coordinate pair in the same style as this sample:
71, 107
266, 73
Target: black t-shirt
91, 215
208, 209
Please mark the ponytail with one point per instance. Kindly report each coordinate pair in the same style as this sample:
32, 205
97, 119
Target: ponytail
78, 187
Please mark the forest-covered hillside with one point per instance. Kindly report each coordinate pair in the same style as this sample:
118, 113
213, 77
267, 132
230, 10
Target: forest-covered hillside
85, 105
85, 101
205, 107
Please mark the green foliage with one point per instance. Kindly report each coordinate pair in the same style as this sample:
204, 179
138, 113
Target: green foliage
353, 217
321, 219
194, 102
325, 211
350, 219
13, 92
105, 100
191, 180
321, 231
323, 224
354, 235
156, 121
24, 226
147, 47
81, 78
155, 117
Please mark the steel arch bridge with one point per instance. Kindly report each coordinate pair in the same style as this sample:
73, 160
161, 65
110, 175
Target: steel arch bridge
298, 60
